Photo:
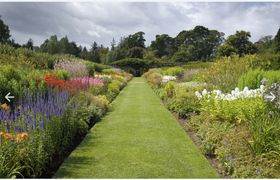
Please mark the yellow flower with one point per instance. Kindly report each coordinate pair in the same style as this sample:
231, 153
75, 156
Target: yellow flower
4, 106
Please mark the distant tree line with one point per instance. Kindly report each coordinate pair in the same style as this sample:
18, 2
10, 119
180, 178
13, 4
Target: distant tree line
197, 44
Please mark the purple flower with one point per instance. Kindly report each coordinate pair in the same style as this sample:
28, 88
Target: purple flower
33, 111
228, 158
8, 127
258, 172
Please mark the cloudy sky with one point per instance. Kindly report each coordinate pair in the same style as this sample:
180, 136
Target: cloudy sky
85, 22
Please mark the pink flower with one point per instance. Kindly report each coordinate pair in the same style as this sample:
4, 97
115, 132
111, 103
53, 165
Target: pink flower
89, 81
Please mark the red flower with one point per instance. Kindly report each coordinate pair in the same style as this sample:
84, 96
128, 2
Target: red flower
53, 81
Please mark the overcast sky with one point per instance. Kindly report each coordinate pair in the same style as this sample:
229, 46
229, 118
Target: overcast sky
85, 22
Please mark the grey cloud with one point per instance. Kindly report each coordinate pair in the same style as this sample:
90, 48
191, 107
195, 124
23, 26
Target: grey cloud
85, 22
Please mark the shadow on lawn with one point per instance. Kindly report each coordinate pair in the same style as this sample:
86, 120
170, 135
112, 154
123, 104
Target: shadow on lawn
74, 164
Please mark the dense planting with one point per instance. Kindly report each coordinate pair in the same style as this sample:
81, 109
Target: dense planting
52, 110
224, 90
232, 105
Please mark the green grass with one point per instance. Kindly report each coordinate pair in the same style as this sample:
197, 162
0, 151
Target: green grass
139, 138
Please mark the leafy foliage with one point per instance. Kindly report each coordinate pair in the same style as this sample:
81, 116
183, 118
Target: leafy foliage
4, 32
254, 78
238, 43
276, 42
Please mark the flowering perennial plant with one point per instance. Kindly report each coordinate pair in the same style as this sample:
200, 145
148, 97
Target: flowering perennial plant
17, 137
234, 95
89, 81
33, 112
165, 79
75, 68
73, 85
103, 76
53, 81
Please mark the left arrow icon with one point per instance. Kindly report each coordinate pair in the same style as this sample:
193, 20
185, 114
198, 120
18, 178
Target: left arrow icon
8, 97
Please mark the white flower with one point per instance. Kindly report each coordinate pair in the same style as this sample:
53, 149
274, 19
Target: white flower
198, 95
217, 92
262, 88
204, 92
246, 88
168, 78
235, 94
103, 76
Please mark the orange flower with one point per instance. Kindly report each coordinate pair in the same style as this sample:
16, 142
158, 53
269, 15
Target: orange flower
22, 136
8, 136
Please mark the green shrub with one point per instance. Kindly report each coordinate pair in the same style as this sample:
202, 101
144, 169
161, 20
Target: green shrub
169, 90
209, 130
62, 74
197, 65
190, 74
153, 78
100, 67
225, 72
267, 61
107, 71
232, 111
90, 68
113, 89
265, 129
184, 101
253, 78
9, 166
98, 90
173, 71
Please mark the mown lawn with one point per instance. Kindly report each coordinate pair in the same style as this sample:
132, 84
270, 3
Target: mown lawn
139, 138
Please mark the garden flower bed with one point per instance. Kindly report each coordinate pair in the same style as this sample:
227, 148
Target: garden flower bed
234, 125
52, 111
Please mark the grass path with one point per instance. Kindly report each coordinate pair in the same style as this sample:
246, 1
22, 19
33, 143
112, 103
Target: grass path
139, 139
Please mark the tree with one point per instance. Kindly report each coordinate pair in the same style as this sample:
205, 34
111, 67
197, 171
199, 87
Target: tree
163, 45
136, 52
84, 53
113, 44
117, 54
226, 50
64, 45
73, 49
29, 44
94, 53
239, 43
50, 45
14, 44
184, 54
133, 40
4, 32
132, 46
276, 42
202, 41
180, 39
264, 44
103, 51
